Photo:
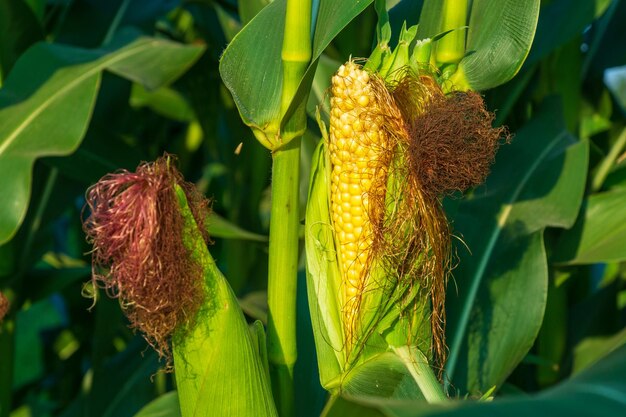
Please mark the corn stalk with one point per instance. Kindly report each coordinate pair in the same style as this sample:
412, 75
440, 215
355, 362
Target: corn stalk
283, 250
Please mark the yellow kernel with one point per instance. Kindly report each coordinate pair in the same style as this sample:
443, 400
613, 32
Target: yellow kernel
345, 105
357, 125
350, 255
361, 151
355, 189
363, 100
351, 291
357, 212
347, 118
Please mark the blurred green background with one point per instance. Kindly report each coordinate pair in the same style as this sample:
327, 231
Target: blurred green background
89, 87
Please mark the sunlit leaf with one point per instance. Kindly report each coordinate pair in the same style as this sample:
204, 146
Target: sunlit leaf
50, 82
498, 39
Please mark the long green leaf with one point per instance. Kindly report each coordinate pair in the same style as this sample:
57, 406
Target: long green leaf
537, 181
599, 235
430, 19
218, 368
47, 101
599, 391
498, 39
217, 226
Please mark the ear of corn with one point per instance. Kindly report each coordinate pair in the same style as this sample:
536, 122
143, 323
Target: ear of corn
377, 239
356, 315
220, 347
356, 138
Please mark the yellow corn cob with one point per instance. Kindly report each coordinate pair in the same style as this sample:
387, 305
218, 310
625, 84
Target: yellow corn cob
355, 138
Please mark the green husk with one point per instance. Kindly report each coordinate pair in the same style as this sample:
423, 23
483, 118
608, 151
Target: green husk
218, 360
323, 276
395, 314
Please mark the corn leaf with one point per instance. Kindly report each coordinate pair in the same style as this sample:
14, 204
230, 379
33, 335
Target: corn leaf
599, 235
50, 82
251, 66
218, 367
250, 8
598, 391
218, 226
498, 41
593, 349
502, 278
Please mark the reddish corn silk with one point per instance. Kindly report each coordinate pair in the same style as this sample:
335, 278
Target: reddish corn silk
4, 306
136, 228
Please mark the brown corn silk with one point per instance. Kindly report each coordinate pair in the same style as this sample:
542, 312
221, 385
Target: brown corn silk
394, 150
136, 228
4, 306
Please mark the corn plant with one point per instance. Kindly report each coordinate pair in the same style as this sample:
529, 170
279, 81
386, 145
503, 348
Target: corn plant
417, 247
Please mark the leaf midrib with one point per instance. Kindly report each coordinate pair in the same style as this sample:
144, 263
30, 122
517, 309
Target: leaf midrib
502, 218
